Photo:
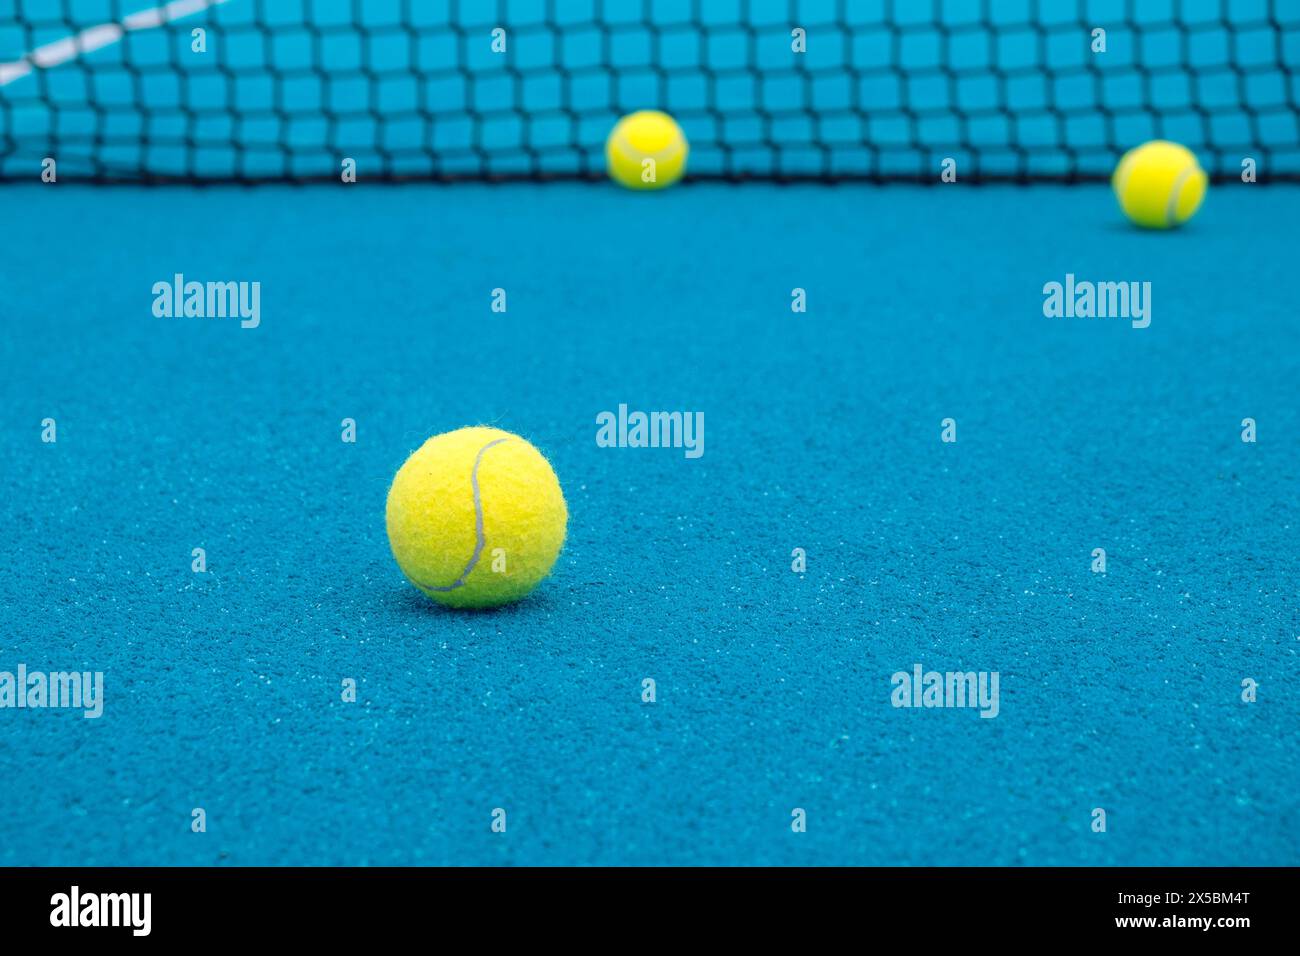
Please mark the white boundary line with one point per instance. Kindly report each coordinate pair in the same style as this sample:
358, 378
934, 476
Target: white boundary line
99, 36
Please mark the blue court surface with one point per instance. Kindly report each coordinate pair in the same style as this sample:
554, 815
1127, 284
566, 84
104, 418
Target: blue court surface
1164, 691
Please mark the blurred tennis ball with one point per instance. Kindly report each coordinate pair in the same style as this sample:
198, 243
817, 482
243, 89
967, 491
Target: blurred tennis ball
646, 150
1159, 184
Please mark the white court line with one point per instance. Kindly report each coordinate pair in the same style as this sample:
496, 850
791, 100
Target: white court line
99, 36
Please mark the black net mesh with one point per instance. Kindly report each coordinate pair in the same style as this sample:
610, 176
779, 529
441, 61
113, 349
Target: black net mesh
421, 89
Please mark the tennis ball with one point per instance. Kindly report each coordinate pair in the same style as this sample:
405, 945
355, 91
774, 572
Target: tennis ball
476, 517
646, 150
1159, 184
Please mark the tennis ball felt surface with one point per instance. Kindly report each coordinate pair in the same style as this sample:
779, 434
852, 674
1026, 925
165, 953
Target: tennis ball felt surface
476, 517
1159, 184
646, 150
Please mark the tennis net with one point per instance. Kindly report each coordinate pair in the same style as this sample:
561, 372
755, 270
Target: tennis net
880, 90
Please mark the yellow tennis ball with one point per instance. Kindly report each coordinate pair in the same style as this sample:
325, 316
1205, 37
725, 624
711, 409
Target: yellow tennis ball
1159, 184
646, 150
476, 517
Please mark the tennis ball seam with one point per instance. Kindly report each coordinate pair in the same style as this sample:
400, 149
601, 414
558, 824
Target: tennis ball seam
1122, 175
1176, 193
624, 145
479, 539
628, 153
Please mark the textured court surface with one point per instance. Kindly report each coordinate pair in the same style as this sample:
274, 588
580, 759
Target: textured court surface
822, 432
